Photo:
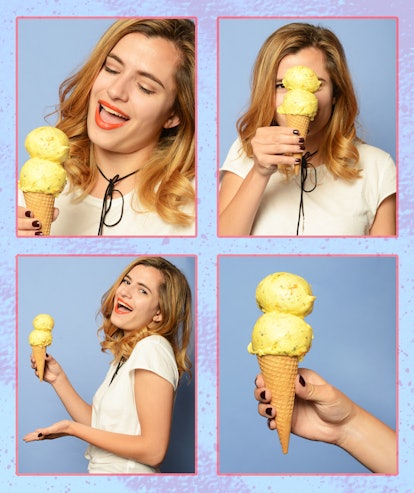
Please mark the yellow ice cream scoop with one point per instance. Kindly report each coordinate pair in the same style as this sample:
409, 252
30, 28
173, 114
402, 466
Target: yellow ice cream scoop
301, 77
285, 292
42, 176
39, 338
48, 143
281, 334
299, 102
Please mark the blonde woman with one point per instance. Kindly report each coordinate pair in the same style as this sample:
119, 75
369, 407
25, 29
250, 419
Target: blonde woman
129, 115
345, 186
146, 326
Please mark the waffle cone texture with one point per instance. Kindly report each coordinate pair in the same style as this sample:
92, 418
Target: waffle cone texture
301, 123
42, 205
279, 374
39, 354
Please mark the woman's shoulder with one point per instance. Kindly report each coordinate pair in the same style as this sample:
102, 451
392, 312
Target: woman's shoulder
237, 161
371, 154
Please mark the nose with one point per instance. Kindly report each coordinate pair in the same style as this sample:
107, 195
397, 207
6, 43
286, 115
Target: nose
118, 89
124, 290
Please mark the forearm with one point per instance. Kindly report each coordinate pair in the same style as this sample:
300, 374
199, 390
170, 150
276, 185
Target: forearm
371, 442
144, 449
237, 218
78, 409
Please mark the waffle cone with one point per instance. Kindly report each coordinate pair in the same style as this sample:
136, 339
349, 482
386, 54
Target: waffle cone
301, 123
39, 354
279, 373
41, 204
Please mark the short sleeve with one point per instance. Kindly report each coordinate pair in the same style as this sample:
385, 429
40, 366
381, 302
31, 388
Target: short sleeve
155, 354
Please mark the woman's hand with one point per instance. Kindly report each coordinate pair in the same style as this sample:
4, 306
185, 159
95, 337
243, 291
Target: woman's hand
274, 146
52, 369
28, 225
320, 413
323, 413
57, 430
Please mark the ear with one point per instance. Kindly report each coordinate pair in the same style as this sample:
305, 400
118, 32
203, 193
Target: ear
173, 121
157, 317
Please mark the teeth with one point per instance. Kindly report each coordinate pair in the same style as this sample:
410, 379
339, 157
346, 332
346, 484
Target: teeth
121, 305
113, 112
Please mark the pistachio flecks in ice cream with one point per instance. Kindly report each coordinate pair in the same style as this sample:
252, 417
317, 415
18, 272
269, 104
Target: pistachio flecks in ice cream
281, 334
42, 176
48, 143
41, 335
285, 292
301, 77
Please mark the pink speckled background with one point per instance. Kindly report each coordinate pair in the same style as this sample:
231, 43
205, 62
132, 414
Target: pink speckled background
207, 247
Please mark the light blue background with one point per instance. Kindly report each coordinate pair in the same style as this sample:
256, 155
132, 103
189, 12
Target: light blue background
370, 47
44, 64
206, 246
354, 349
70, 289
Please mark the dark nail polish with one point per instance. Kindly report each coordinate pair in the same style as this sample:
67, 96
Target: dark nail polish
28, 213
302, 381
39, 435
36, 224
269, 411
296, 132
302, 147
38, 233
301, 140
298, 160
47, 355
263, 395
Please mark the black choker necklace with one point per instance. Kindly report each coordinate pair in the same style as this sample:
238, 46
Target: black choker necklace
107, 199
303, 176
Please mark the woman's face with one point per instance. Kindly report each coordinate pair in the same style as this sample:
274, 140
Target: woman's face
314, 59
133, 95
136, 303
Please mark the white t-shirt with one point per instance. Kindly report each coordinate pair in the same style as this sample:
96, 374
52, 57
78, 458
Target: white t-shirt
335, 207
114, 408
83, 218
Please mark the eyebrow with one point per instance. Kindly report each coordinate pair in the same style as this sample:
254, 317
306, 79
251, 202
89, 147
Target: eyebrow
148, 75
141, 284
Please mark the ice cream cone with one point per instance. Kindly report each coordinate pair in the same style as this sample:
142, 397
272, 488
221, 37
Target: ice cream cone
41, 204
301, 123
279, 373
39, 354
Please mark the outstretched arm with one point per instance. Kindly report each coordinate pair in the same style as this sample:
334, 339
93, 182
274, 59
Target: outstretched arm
154, 400
325, 414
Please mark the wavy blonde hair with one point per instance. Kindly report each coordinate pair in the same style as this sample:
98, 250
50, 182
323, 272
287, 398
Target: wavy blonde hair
175, 307
164, 184
338, 150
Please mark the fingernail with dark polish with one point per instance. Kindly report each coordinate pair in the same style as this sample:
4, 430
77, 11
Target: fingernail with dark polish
39, 435
302, 381
301, 140
36, 224
38, 233
302, 147
298, 160
296, 132
28, 213
269, 411
263, 395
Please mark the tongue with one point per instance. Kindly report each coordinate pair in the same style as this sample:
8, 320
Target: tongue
110, 118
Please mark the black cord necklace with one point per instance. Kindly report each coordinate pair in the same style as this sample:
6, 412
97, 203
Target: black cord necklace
121, 362
303, 176
107, 199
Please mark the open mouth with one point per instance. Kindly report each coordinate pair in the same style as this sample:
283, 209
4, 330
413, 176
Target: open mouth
108, 117
121, 307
